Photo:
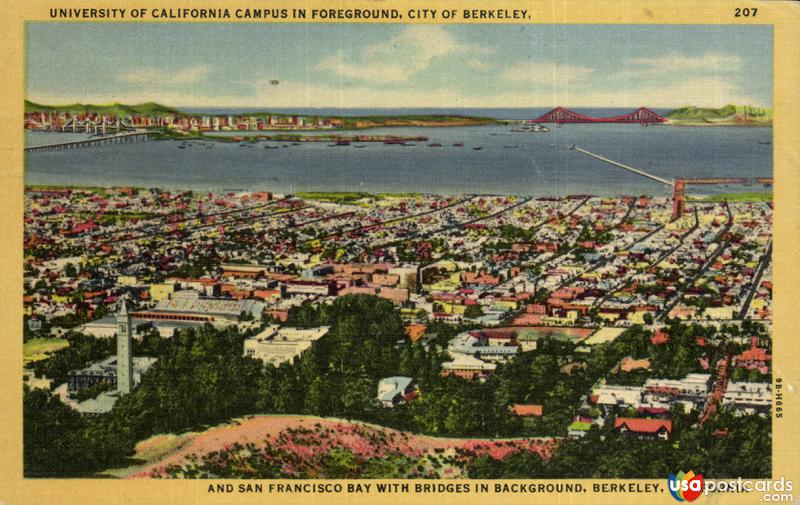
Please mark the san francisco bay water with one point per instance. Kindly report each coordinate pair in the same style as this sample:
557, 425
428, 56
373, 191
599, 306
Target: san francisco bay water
507, 162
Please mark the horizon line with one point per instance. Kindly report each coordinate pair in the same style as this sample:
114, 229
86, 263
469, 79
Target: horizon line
388, 107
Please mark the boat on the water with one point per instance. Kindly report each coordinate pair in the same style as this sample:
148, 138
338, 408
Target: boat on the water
531, 128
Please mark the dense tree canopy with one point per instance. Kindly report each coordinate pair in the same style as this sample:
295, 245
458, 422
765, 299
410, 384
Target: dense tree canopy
202, 378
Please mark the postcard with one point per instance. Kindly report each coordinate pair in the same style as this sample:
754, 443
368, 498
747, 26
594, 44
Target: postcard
379, 251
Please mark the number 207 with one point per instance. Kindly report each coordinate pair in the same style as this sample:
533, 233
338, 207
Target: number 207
745, 12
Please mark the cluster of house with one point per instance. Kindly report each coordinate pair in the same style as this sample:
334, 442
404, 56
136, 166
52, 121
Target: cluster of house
754, 358
475, 354
86, 121
598, 261
639, 274
654, 401
186, 259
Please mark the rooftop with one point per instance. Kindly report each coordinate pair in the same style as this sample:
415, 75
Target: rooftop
643, 425
210, 306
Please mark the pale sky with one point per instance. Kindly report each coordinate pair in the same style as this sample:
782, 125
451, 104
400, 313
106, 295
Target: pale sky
372, 65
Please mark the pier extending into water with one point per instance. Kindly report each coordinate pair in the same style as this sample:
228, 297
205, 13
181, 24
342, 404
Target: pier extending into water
111, 139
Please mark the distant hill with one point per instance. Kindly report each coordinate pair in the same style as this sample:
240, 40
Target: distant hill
117, 109
730, 114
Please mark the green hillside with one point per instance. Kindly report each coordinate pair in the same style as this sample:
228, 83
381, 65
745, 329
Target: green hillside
730, 114
117, 109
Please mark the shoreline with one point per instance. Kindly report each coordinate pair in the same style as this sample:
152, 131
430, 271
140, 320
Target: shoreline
732, 123
334, 196
174, 133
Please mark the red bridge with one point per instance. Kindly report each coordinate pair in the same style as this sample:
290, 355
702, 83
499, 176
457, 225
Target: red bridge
559, 115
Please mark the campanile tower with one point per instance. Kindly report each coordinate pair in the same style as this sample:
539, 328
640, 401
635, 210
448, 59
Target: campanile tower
124, 353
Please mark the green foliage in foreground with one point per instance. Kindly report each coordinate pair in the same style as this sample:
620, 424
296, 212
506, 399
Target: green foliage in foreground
201, 378
58, 441
745, 451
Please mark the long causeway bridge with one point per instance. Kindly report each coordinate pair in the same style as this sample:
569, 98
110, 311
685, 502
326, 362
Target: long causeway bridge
678, 185
111, 139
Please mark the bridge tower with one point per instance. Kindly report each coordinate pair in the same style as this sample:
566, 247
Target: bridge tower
678, 199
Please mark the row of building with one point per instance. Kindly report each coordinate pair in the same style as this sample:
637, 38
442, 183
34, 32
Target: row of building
65, 121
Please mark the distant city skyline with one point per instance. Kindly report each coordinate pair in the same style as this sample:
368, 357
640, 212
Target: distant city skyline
385, 66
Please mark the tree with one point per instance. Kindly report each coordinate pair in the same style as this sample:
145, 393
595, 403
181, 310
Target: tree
341, 464
473, 312
318, 397
58, 441
82, 351
51, 432
289, 395
358, 395
200, 379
